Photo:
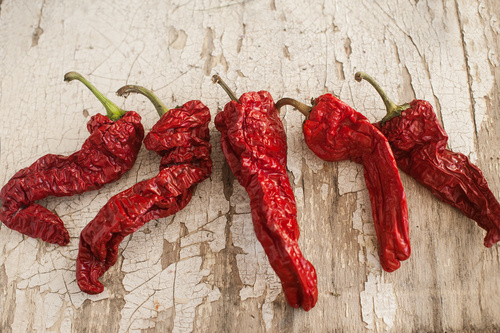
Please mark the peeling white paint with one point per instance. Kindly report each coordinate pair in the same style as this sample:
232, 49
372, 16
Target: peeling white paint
351, 177
240, 200
378, 301
478, 41
295, 143
151, 289
298, 192
298, 152
66, 323
305, 50
255, 271
362, 220
77, 297
177, 287
324, 191
20, 323
313, 161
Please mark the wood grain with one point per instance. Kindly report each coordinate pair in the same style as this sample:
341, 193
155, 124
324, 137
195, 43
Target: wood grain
203, 270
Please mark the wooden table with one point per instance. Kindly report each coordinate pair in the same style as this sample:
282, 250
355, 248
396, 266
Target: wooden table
203, 269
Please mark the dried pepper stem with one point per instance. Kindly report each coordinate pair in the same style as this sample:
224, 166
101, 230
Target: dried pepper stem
304, 109
393, 110
217, 79
113, 112
158, 104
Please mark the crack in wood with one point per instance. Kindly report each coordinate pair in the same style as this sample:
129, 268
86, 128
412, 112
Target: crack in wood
171, 253
228, 179
227, 279
430, 295
7, 301
207, 50
469, 75
38, 30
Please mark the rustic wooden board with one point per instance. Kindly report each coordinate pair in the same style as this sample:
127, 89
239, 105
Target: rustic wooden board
203, 270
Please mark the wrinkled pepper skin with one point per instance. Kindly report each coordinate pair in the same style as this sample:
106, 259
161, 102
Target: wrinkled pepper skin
109, 152
182, 138
418, 142
334, 132
254, 143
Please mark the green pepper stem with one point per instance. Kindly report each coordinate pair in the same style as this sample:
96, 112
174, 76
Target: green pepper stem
159, 106
216, 79
304, 109
113, 112
393, 110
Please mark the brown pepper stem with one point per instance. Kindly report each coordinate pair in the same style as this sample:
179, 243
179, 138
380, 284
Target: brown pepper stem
113, 112
216, 79
393, 110
304, 109
158, 104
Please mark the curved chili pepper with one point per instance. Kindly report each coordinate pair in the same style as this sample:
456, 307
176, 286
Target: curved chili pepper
419, 144
109, 152
182, 138
253, 140
334, 132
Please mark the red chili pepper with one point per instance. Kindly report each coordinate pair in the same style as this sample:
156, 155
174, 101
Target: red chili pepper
254, 143
105, 156
334, 132
419, 144
182, 138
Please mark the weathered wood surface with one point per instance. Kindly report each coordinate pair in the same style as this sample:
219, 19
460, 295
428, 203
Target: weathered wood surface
203, 270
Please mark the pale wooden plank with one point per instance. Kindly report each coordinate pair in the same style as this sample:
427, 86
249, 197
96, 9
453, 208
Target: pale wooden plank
204, 270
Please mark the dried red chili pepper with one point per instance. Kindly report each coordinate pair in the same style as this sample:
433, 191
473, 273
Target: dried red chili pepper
109, 152
419, 144
182, 138
334, 132
254, 143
